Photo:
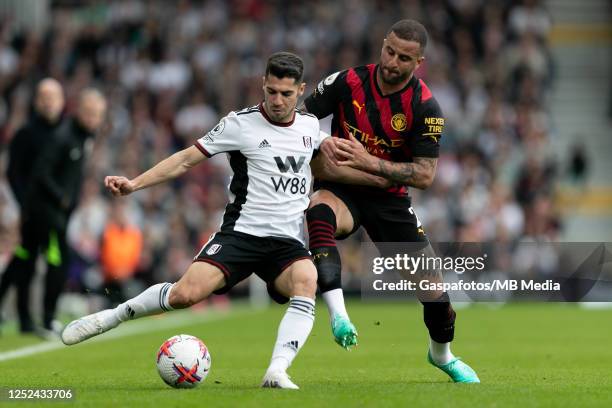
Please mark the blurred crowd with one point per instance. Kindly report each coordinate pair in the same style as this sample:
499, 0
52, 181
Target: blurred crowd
170, 70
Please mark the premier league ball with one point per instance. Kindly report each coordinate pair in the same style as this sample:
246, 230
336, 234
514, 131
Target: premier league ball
183, 361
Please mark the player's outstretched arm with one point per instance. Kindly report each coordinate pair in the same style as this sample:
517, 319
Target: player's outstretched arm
167, 169
420, 173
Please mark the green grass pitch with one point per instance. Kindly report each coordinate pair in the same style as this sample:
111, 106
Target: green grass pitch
529, 355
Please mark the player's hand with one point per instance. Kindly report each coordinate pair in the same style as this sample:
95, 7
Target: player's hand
329, 149
118, 185
352, 153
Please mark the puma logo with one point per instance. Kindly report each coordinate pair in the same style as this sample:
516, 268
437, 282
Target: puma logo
359, 107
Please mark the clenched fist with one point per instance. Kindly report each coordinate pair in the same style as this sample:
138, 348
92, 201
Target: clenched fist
118, 185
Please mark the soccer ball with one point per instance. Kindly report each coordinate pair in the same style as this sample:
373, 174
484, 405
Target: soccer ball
183, 361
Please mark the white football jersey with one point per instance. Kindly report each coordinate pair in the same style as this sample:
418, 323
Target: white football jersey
271, 164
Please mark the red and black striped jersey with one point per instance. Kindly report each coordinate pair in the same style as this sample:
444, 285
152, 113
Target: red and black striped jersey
396, 127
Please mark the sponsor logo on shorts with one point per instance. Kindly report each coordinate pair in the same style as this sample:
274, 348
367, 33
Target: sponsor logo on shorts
214, 249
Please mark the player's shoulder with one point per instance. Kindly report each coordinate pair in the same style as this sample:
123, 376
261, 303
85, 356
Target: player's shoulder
335, 79
424, 98
422, 91
302, 112
246, 111
368, 69
307, 119
243, 116
344, 75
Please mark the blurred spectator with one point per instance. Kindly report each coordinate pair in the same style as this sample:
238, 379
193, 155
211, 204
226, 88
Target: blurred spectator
530, 17
30, 140
120, 250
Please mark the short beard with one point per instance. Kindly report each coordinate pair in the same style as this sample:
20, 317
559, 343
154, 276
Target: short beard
395, 80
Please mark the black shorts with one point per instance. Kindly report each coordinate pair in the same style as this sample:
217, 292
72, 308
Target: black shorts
385, 217
239, 255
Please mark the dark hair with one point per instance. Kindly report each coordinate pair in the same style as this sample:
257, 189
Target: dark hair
410, 30
285, 65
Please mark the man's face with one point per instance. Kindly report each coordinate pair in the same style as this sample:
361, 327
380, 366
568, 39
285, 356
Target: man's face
49, 101
91, 112
281, 97
398, 59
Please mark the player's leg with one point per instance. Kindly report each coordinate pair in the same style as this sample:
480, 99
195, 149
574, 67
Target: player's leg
396, 221
329, 217
439, 317
200, 280
298, 282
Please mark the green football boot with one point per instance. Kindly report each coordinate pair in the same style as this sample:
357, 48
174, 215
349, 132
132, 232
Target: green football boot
457, 370
344, 332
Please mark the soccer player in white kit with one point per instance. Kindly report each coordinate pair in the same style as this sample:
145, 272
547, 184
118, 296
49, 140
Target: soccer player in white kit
270, 147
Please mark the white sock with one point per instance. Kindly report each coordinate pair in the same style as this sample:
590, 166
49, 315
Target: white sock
334, 299
154, 300
292, 332
440, 352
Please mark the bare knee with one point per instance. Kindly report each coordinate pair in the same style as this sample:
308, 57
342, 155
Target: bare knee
182, 297
325, 197
200, 280
342, 217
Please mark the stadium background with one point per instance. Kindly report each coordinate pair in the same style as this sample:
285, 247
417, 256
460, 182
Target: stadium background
524, 86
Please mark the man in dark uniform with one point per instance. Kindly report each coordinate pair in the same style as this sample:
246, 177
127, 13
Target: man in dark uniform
386, 122
24, 150
52, 195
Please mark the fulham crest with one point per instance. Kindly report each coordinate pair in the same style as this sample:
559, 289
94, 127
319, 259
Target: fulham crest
214, 248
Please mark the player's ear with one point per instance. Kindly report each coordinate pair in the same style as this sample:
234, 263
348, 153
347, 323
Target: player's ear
419, 61
301, 89
263, 82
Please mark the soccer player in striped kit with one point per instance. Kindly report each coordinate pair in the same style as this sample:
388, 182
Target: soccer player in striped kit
385, 122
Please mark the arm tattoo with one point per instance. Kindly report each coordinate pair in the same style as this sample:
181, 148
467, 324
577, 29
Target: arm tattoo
419, 173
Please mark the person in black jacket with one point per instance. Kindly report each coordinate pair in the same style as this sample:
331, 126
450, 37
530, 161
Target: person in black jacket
24, 150
28, 141
52, 194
